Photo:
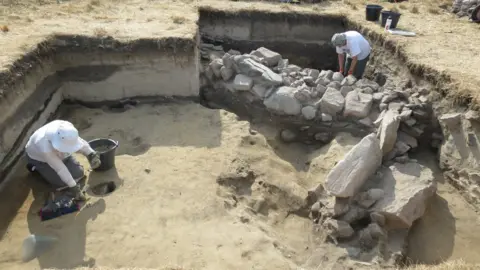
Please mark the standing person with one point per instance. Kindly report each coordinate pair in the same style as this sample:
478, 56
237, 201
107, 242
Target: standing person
356, 48
49, 152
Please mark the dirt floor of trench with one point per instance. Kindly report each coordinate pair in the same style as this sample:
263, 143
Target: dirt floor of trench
201, 189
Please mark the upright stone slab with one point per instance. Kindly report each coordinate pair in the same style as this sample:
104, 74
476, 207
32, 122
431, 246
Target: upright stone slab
407, 189
270, 57
359, 164
283, 101
388, 130
258, 72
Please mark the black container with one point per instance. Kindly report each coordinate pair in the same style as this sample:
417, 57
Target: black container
106, 149
395, 18
373, 12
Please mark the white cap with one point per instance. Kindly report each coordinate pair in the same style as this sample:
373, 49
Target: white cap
64, 136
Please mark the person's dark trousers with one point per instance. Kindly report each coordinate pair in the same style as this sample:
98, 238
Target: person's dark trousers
359, 68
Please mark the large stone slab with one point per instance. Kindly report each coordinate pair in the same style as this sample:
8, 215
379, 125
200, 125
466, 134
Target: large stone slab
270, 57
387, 132
407, 189
258, 72
283, 101
357, 104
242, 83
359, 164
332, 102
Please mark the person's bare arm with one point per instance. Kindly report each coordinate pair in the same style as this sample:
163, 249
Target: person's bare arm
341, 61
353, 65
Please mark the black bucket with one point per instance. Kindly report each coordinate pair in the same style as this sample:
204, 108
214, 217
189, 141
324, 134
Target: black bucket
106, 149
395, 17
373, 12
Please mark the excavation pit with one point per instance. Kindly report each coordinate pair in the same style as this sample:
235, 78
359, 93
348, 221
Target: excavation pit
213, 188
104, 188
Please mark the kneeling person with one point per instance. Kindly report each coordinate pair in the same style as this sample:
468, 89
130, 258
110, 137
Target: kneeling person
49, 152
356, 48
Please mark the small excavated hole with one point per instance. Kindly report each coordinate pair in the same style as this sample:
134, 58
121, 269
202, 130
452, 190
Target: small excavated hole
104, 188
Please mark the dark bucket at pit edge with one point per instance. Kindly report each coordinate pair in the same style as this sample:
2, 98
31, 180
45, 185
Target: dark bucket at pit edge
373, 12
106, 157
395, 18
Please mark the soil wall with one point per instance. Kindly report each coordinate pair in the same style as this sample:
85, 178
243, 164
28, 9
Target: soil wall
89, 70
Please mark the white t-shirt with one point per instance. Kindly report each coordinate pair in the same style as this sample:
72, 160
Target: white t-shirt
40, 148
356, 45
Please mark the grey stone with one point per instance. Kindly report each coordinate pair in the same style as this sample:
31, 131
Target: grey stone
382, 106
287, 135
472, 115
322, 137
360, 163
216, 65
328, 74
337, 76
405, 114
338, 228
260, 91
309, 112
410, 122
407, 189
389, 97
349, 80
379, 119
378, 218
228, 60
366, 122
209, 73
234, 52
354, 213
344, 90
334, 84
396, 106
377, 97
270, 57
357, 104
322, 81
402, 159
326, 117
309, 81
320, 89
367, 90
423, 99
314, 73
388, 131
332, 102
282, 64
258, 72
302, 94
242, 83
283, 101
226, 73
407, 139
451, 120
363, 83
368, 198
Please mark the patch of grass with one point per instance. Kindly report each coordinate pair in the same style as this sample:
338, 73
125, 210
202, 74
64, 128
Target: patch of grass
415, 10
178, 19
100, 32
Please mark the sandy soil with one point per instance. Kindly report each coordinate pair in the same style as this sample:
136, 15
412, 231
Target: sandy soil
168, 209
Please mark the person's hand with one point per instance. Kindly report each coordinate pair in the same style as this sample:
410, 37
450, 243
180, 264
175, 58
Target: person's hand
94, 160
78, 194
350, 72
341, 71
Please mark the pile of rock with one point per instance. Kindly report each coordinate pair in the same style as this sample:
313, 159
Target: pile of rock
464, 7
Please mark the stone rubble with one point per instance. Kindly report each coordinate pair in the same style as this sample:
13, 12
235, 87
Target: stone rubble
376, 184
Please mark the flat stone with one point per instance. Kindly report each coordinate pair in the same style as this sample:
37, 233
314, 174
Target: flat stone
363, 83
337, 76
283, 101
332, 102
258, 72
326, 117
344, 90
407, 189
242, 83
226, 73
472, 115
322, 81
396, 106
388, 131
270, 57
357, 104
328, 74
405, 114
309, 112
359, 164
